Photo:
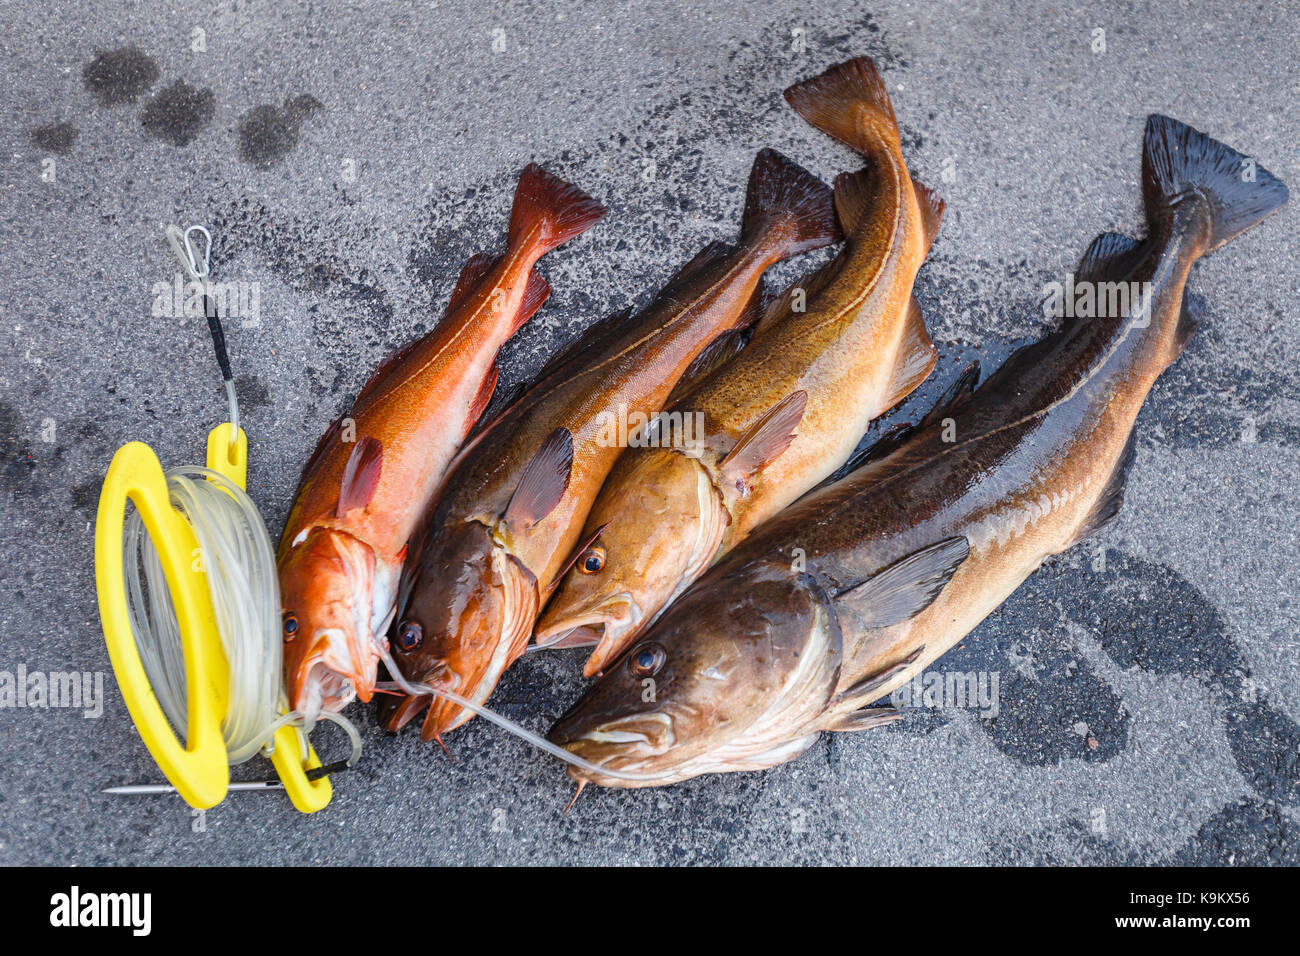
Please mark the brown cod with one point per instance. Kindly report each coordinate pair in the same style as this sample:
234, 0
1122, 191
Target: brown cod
908, 553
512, 511
841, 347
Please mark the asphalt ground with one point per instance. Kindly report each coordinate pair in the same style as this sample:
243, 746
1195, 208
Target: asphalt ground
349, 157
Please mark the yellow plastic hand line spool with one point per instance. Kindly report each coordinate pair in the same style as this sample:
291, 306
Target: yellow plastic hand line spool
199, 770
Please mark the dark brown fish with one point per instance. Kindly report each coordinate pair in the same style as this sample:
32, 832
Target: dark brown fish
787, 412
907, 554
515, 500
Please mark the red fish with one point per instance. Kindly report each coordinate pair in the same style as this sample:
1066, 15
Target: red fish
376, 471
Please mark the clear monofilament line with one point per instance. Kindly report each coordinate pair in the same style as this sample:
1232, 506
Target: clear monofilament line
418, 689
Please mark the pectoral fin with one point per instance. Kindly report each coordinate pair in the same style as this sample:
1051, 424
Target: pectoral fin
766, 439
905, 588
360, 475
544, 481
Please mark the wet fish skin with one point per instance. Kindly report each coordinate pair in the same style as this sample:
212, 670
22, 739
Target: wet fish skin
857, 348
908, 553
465, 637
375, 472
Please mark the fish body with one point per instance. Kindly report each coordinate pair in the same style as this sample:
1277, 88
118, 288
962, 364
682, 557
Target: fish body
376, 470
517, 497
840, 348
903, 557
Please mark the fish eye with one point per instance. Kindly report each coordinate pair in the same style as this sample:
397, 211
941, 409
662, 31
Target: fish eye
592, 560
647, 659
289, 624
409, 636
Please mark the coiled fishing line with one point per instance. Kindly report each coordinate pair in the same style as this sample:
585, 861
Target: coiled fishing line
236, 554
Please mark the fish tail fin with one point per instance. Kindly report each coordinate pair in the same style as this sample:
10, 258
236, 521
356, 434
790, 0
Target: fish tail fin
849, 101
558, 210
788, 210
1177, 159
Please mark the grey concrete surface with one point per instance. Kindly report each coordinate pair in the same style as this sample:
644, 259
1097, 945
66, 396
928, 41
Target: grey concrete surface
350, 156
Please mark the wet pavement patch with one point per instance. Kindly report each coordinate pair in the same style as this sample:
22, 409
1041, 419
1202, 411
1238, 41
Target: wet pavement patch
55, 137
178, 113
119, 76
267, 134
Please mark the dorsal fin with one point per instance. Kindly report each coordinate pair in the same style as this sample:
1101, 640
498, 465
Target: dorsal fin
471, 274
360, 475
931, 210
544, 481
1189, 320
804, 288
894, 437
590, 336
754, 309
706, 258
536, 292
954, 397
1111, 499
889, 441
330, 435
1109, 257
905, 588
766, 439
916, 357
854, 195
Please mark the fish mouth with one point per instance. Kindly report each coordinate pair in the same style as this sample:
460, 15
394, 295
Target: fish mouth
611, 624
470, 674
627, 744
327, 679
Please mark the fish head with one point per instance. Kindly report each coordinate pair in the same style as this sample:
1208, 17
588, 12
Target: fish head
465, 615
661, 524
327, 581
732, 674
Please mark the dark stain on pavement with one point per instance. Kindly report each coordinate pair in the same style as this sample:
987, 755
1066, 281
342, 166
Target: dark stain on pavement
267, 134
57, 138
119, 76
178, 113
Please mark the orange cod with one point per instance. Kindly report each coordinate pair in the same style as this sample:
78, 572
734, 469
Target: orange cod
905, 555
375, 472
515, 502
783, 415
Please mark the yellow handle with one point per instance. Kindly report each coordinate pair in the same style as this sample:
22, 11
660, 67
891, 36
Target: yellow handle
199, 770
308, 796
